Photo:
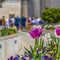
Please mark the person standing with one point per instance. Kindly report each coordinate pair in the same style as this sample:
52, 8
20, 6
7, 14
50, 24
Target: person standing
13, 21
3, 21
17, 23
29, 21
10, 22
7, 23
33, 21
23, 22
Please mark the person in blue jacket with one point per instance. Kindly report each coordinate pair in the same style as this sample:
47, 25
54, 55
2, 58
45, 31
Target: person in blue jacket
17, 22
23, 22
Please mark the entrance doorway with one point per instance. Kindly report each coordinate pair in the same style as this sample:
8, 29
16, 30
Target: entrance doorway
12, 15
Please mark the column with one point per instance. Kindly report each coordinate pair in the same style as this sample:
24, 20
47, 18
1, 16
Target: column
37, 7
42, 6
48, 3
30, 8
25, 8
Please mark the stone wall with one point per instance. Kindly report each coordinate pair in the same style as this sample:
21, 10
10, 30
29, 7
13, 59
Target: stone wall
55, 3
10, 8
24, 11
9, 46
37, 8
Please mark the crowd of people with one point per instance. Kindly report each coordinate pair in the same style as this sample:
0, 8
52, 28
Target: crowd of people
35, 20
13, 21
19, 22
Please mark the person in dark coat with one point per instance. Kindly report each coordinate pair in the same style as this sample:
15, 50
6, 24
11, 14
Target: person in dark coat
23, 22
17, 22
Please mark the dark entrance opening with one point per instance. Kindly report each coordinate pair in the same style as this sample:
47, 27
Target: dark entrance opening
12, 15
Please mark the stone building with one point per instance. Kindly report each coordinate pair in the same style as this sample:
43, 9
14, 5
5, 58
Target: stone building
10, 8
26, 7
35, 7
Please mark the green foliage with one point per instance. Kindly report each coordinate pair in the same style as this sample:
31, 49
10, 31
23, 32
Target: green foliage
30, 52
7, 31
49, 27
20, 59
33, 51
51, 15
51, 50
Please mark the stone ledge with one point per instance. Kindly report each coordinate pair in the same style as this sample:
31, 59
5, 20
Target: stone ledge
9, 36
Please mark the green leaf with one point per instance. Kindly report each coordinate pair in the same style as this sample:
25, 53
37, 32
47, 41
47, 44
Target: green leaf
20, 59
32, 50
59, 48
26, 49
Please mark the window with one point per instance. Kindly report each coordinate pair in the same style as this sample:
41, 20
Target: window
12, 15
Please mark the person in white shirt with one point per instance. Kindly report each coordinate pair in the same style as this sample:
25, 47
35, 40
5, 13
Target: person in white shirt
13, 20
38, 19
33, 21
7, 22
30, 18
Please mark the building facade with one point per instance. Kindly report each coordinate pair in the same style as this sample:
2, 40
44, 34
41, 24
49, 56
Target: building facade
27, 7
35, 7
10, 7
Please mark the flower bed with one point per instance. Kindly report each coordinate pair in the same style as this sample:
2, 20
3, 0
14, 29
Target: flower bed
7, 31
49, 27
39, 52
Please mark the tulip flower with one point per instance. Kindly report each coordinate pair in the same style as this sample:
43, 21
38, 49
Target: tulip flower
35, 33
57, 32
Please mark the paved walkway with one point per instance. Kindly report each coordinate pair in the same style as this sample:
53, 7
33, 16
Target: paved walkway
26, 41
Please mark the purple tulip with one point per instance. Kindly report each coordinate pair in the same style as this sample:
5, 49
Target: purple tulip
57, 31
35, 33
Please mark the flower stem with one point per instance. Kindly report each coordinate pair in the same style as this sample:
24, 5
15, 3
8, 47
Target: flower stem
36, 44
